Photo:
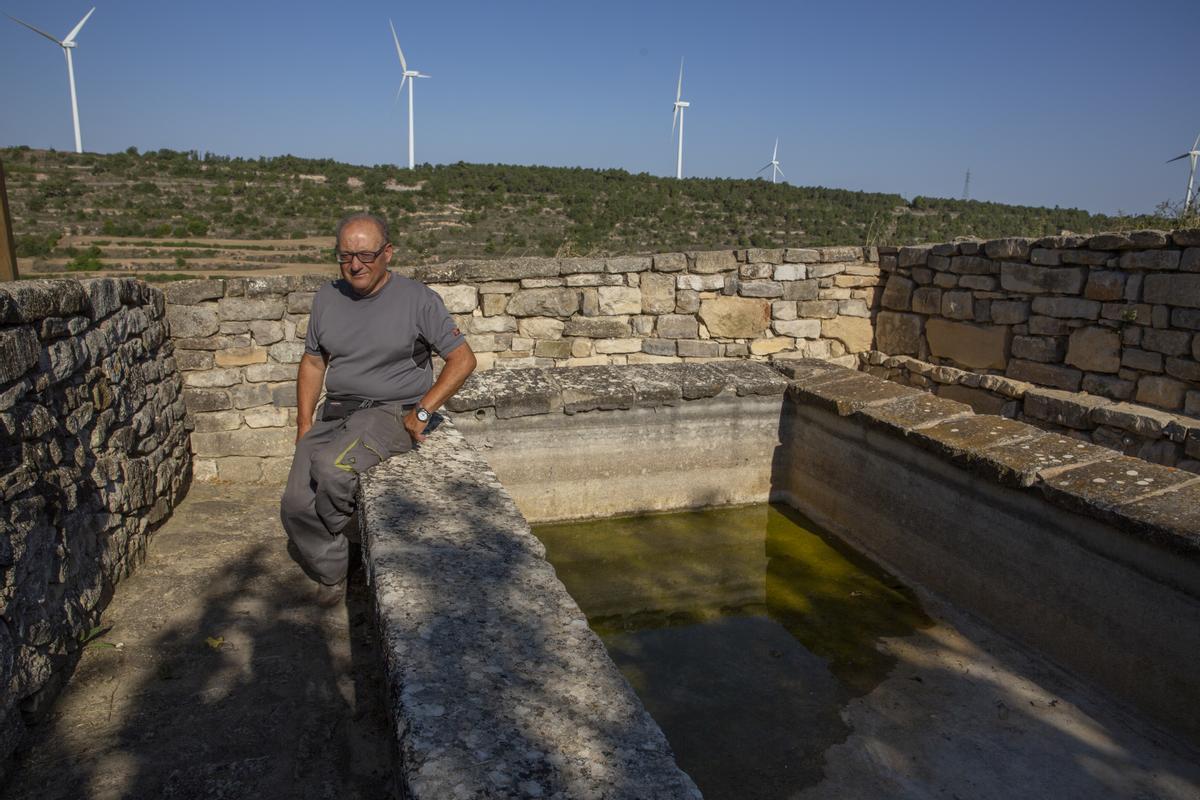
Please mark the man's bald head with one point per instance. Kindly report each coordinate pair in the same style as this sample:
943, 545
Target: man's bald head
361, 216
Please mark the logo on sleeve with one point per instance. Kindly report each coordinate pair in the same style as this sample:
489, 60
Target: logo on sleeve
456, 332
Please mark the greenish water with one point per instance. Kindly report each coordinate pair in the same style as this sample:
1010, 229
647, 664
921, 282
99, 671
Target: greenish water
744, 631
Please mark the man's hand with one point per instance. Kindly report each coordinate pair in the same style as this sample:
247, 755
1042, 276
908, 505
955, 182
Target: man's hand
414, 426
302, 428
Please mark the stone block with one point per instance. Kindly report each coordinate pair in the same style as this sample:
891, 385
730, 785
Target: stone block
1185, 369
614, 300
19, 352
854, 307
899, 334
1011, 248
801, 255
189, 359
670, 262
972, 346
266, 332
245, 308
789, 272
913, 256
619, 264
1107, 386
459, 298
753, 271
711, 261
192, 321
1150, 260
188, 293
755, 288
1052, 375
658, 293
1009, 312
771, 345
801, 290
249, 395
973, 265
213, 378
1171, 343
197, 400
897, 295
817, 309
677, 326
559, 302
1094, 349
659, 347
286, 352
493, 304
1174, 290
1069, 409
1190, 261
299, 302
783, 309
266, 417
259, 373
927, 300
798, 328
241, 356
283, 395
552, 348
958, 305
1105, 285
1144, 360
598, 327
540, 327
610, 346
1028, 279
1157, 390
687, 301
840, 254
1066, 307
980, 283
1045, 257
700, 283
206, 422
855, 333
735, 317
1050, 349
689, 348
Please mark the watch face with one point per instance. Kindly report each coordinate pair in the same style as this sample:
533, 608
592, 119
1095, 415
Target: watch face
422, 415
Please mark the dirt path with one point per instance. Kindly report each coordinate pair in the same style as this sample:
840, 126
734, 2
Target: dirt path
227, 683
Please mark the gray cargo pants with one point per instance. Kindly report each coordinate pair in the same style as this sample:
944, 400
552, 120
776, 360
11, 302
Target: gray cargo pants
321, 490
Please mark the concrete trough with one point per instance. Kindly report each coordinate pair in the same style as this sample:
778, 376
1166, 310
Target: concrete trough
499, 689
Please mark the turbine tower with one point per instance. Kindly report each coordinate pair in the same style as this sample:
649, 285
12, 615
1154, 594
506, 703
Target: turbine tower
967, 187
411, 76
773, 164
67, 44
677, 114
1191, 155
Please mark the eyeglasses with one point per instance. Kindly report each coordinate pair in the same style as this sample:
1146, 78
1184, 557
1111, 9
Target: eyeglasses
365, 256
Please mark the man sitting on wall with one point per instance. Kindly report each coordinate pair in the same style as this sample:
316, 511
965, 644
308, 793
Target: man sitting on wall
370, 338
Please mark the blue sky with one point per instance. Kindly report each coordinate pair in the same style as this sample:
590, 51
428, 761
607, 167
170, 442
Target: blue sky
1067, 103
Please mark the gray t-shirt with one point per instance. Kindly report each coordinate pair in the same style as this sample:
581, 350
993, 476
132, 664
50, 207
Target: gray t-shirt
379, 346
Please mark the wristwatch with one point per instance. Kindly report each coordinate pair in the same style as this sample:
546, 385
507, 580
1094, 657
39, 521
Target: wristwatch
422, 414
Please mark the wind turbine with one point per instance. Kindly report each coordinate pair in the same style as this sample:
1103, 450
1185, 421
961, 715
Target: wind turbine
67, 44
1192, 155
411, 76
677, 114
773, 164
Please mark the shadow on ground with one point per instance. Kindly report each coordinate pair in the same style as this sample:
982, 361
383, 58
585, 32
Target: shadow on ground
224, 681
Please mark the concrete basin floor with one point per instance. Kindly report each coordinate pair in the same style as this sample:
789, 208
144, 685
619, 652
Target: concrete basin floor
224, 680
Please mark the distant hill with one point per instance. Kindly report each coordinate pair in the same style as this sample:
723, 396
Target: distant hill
464, 210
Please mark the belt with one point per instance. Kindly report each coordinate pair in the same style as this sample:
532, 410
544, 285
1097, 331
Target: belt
339, 407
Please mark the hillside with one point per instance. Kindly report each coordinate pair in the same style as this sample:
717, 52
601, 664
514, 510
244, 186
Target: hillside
168, 209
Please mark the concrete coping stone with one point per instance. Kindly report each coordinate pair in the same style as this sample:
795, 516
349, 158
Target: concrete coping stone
498, 688
524, 392
1135, 496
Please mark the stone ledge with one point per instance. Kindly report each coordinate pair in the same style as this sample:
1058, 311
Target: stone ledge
523, 392
1135, 496
498, 687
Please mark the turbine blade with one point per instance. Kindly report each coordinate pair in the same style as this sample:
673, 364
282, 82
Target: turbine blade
780, 172
679, 88
674, 116
399, 52
1176, 158
75, 31
401, 89
1196, 144
35, 30
764, 169
775, 153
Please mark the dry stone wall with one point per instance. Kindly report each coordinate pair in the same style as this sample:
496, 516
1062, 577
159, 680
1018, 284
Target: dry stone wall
238, 340
93, 454
1112, 315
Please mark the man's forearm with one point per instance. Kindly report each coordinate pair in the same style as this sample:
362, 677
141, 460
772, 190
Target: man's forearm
309, 377
459, 365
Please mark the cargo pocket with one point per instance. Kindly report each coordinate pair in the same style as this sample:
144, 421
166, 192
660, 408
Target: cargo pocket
361, 454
